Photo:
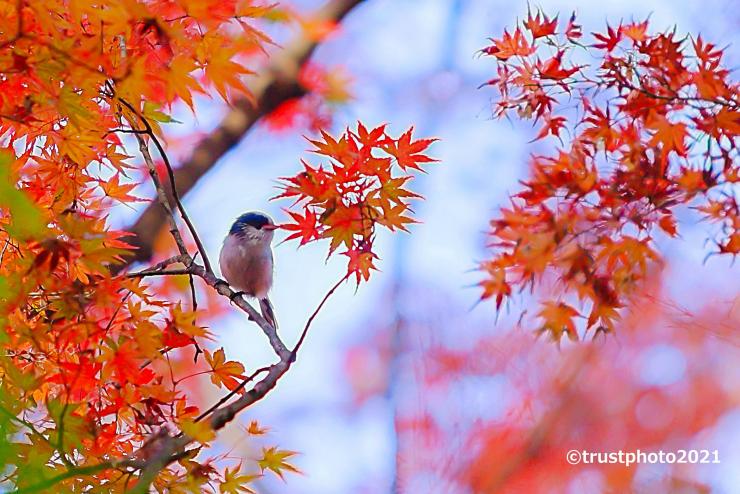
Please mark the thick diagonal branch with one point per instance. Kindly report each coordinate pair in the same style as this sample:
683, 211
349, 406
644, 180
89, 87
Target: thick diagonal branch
275, 85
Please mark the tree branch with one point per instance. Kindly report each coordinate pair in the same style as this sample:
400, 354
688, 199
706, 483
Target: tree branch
162, 193
277, 84
167, 448
302, 338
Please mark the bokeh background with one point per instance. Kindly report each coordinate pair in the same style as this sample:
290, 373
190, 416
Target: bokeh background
356, 402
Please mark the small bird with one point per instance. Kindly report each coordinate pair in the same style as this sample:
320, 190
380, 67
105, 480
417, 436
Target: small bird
246, 259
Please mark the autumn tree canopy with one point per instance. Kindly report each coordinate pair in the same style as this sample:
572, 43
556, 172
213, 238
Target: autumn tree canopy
100, 342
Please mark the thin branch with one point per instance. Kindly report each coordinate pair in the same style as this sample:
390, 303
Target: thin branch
72, 472
167, 272
232, 393
170, 447
161, 192
27, 424
223, 288
2, 253
297, 347
158, 268
161, 196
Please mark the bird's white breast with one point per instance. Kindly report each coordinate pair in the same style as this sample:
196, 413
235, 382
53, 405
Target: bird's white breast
246, 263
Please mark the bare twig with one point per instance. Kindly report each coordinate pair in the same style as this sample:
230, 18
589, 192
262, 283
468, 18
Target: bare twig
297, 347
161, 192
161, 196
166, 272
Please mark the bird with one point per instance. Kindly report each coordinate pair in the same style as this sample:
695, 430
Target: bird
246, 259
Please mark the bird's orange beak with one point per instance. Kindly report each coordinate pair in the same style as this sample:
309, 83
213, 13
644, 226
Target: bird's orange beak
270, 227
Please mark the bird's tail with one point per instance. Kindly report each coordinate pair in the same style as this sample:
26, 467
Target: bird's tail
268, 312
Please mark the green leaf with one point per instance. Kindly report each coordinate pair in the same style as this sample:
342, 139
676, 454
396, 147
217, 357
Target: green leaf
26, 218
152, 112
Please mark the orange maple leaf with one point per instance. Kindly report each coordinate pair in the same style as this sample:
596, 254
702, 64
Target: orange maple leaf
558, 319
540, 28
224, 372
509, 46
408, 152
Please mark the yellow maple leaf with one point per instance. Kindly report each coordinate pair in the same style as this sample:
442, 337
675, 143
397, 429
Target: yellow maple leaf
274, 459
235, 484
200, 431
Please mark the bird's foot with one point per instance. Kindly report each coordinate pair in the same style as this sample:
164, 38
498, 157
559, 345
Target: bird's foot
236, 295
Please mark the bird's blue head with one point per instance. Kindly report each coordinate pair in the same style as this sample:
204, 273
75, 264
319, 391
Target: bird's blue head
251, 221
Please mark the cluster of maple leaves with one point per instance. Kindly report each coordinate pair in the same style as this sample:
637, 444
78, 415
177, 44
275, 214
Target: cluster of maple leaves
359, 190
89, 367
651, 126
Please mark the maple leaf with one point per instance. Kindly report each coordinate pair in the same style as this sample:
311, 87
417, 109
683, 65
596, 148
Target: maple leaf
392, 191
330, 84
222, 71
255, 429
117, 191
558, 319
604, 313
373, 138
602, 128
711, 84
360, 263
636, 31
707, 53
496, 283
408, 152
234, 483
185, 322
274, 459
393, 217
573, 30
509, 46
609, 40
200, 431
313, 184
540, 28
553, 125
728, 122
306, 226
227, 373
343, 223
172, 338
731, 245
341, 150
126, 364
552, 69
668, 224
671, 135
